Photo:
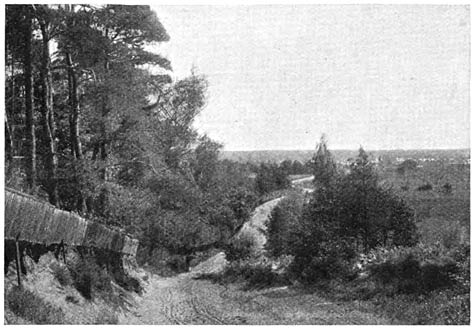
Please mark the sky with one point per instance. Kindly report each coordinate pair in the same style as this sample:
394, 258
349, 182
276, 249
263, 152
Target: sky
379, 76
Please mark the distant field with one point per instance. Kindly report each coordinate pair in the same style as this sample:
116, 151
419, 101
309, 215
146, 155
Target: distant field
436, 201
440, 214
343, 155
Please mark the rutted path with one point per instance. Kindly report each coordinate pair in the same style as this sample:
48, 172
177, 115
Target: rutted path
185, 300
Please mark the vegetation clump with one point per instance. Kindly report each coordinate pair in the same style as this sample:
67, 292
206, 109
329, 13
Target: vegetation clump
346, 215
271, 177
27, 305
89, 278
61, 274
357, 239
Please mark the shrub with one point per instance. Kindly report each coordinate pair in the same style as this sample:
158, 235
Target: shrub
331, 265
177, 263
425, 187
130, 284
241, 248
89, 277
27, 305
281, 227
61, 274
408, 274
406, 166
271, 177
256, 275
348, 212
260, 276
447, 188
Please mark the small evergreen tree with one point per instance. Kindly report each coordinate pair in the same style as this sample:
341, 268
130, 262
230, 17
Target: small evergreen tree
282, 227
324, 166
347, 214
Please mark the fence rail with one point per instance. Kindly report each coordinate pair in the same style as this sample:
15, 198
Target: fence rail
36, 221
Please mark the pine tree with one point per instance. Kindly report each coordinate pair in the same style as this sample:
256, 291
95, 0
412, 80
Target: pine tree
324, 166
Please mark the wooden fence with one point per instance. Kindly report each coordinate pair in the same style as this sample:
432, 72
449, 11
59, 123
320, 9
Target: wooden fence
35, 221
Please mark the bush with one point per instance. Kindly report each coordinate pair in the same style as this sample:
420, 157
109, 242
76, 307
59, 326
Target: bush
61, 274
260, 276
447, 188
281, 227
425, 187
271, 177
328, 265
256, 275
348, 213
130, 284
241, 247
27, 305
408, 274
88, 277
177, 263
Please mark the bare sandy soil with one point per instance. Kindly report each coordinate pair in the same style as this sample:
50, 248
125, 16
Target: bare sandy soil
186, 300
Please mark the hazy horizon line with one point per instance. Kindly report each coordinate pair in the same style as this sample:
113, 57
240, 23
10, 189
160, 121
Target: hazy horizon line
347, 149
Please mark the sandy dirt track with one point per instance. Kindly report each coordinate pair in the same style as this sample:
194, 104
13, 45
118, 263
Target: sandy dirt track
184, 299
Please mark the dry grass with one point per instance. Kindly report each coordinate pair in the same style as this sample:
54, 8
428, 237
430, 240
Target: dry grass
42, 281
28, 305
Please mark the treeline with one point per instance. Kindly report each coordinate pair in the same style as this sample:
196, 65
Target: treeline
273, 177
95, 124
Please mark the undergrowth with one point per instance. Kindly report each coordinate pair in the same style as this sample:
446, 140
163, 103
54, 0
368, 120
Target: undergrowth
254, 275
27, 305
89, 278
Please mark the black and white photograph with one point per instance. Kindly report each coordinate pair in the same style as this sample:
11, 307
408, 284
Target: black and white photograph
236, 164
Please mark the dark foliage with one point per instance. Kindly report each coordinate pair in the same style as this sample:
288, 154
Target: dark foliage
240, 248
62, 274
408, 275
406, 166
425, 187
282, 227
447, 188
348, 214
89, 278
27, 305
255, 276
271, 177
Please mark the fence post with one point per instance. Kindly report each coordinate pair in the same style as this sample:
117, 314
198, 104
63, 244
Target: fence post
17, 260
63, 251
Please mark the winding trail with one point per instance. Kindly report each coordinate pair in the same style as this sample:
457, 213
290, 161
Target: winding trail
184, 299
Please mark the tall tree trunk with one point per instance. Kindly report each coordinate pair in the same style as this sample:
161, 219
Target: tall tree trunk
73, 110
75, 142
103, 140
30, 140
8, 142
8, 126
51, 161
